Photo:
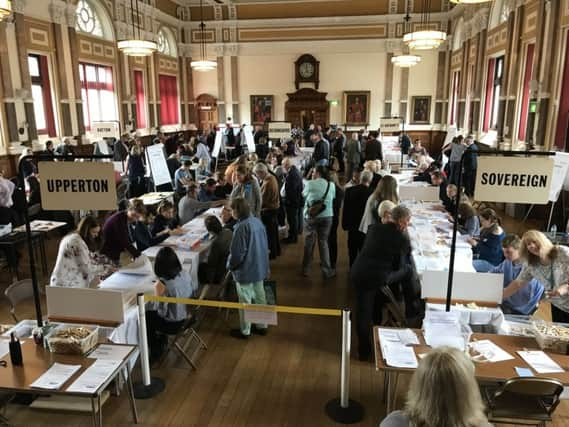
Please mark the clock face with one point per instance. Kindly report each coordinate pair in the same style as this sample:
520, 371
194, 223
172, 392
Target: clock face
306, 70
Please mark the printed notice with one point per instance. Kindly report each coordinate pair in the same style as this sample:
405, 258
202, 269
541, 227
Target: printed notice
94, 376
267, 316
77, 186
55, 376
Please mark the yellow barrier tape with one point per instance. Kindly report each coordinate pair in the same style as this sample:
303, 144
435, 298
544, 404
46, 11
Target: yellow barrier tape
241, 306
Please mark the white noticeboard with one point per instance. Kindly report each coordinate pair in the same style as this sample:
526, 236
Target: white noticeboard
467, 286
158, 165
103, 147
388, 124
278, 130
514, 180
559, 180
249, 140
106, 129
428, 193
217, 144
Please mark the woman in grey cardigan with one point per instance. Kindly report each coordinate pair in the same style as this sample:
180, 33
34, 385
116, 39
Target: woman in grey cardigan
247, 187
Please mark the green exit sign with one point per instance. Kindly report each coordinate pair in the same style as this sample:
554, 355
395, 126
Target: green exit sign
532, 106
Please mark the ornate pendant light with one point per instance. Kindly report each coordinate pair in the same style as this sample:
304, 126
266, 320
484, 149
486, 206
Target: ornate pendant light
469, 1
425, 38
5, 9
406, 59
136, 46
203, 64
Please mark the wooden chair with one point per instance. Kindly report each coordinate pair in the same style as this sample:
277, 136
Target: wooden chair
187, 342
528, 400
18, 292
393, 310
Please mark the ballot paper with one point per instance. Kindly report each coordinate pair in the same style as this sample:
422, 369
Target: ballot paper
4, 348
110, 352
140, 266
540, 362
55, 376
94, 376
489, 352
394, 347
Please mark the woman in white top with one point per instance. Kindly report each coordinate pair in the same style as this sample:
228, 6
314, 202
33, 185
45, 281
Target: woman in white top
385, 190
432, 400
76, 265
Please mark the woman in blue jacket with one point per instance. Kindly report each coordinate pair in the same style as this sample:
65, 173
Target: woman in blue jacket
488, 248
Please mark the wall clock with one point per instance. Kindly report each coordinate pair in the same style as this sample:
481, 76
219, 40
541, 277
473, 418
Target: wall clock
307, 71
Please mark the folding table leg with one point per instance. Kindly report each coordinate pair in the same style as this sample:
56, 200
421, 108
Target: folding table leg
100, 414
94, 413
128, 380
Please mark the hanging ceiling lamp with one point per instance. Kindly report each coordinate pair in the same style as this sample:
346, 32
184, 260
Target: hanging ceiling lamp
425, 38
406, 59
136, 46
5, 9
469, 1
203, 64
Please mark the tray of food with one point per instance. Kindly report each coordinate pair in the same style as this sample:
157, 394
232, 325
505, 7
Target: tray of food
73, 339
550, 336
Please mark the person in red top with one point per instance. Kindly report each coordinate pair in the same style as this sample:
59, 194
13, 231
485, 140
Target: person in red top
116, 232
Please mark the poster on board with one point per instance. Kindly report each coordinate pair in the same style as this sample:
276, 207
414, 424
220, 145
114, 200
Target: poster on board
517, 180
390, 124
278, 130
158, 166
217, 144
106, 129
559, 180
249, 140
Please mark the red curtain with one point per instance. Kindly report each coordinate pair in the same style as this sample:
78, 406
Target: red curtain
168, 100
46, 91
525, 95
140, 100
489, 101
563, 116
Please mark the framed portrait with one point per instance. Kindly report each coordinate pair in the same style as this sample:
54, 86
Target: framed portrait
261, 109
356, 108
421, 110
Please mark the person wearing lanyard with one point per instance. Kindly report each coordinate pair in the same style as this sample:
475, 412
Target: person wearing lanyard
549, 264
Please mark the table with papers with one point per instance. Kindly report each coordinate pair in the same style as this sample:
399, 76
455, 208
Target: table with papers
496, 357
45, 373
154, 199
470, 316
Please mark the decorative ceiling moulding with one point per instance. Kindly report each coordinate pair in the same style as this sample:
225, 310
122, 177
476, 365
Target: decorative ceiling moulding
58, 12
312, 33
18, 6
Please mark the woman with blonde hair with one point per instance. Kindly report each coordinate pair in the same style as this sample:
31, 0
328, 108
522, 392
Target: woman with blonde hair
549, 264
384, 211
443, 393
386, 190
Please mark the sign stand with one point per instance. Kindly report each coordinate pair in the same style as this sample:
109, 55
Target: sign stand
401, 129
35, 287
455, 213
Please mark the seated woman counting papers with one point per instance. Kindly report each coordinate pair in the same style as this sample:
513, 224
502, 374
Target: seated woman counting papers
76, 266
164, 319
432, 400
488, 248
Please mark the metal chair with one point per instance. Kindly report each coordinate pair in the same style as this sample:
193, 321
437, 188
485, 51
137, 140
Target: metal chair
18, 292
528, 399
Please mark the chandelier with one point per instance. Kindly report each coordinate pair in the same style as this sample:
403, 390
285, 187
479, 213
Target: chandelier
136, 46
406, 59
5, 9
203, 64
425, 38
469, 1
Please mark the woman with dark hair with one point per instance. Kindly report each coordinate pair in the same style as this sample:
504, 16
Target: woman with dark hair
247, 187
136, 172
76, 266
214, 269
468, 221
488, 248
165, 219
167, 318
116, 236
386, 190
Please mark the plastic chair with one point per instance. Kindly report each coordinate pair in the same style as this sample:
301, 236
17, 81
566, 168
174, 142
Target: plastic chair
18, 292
532, 400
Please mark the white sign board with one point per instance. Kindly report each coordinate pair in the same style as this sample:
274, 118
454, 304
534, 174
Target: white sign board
278, 130
514, 180
77, 185
158, 165
268, 317
388, 124
425, 193
106, 129
103, 147
467, 286
217, 144
249, 140
559, 178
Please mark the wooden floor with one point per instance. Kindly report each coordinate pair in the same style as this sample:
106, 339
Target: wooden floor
283, 379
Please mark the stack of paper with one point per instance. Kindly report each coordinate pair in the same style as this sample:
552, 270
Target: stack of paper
540, 362
55, 376
110, 352
94, 376
140, 266
487, 351
446, 329
393, 343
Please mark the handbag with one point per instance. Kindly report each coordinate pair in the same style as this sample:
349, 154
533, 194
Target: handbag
270, 292
319, 205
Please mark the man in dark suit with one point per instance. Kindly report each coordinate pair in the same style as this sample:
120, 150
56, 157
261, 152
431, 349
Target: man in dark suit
383, 262
470, 165
373, 149
440, 181
293, 202
354, 206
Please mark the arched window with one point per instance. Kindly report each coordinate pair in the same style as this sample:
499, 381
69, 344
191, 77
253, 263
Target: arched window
500, 12
93, 20
166, 42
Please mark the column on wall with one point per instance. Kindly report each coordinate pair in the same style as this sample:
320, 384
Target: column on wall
154, 97
463, 85
387, 110
63, 73
221, 106
124, 93
404, 93
77, 120
235, 90
479, 81
506, 111
440, 88
9, 81
183, 90
191, 96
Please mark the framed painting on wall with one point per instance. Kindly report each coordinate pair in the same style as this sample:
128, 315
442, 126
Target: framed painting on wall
421, 110
261, 109
356, 108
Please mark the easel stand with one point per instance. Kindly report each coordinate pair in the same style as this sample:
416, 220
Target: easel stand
39, 157
455, 212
